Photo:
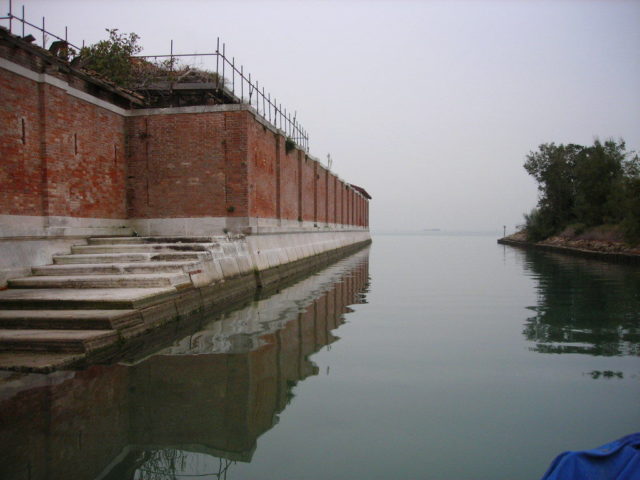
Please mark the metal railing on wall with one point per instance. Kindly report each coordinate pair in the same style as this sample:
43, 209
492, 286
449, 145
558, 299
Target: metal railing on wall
229, 76
232, 78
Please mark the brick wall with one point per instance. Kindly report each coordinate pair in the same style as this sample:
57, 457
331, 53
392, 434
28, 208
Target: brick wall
308, 188
331, 198
178, 165
289, 183
263, 165
20, 139
321, 193
84, 151
69, 155
61, 155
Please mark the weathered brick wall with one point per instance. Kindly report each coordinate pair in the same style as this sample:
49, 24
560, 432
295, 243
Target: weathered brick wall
20, 139
321, 194
85, 157
263, 164
289, 183
61, 155
339, 201
331, 198
178, 166
308, 188
66, 156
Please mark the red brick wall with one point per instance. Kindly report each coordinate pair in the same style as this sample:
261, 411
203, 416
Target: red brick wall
188, 165
331, 198
85, 157
64, 156
262, 170
321, 193
289, 182
339, 201
350, 207
21, 174
61, 155
307, 185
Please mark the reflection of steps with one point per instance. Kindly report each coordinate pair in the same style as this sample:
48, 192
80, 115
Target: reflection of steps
89, 299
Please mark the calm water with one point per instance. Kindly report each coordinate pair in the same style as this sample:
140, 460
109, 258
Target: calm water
427, 357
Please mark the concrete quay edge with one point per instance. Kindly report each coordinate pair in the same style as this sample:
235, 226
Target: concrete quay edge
165, 309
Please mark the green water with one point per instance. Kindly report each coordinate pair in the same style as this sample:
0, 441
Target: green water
428, 357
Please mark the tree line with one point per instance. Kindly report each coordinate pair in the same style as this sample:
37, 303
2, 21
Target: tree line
583, 187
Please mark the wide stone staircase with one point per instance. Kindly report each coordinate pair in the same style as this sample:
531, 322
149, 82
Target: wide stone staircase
92, 297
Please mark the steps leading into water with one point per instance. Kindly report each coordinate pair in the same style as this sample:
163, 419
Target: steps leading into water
113, 268
88, 299
131, 280
81, 299
127, 257
143, 248
76, 341
70, 319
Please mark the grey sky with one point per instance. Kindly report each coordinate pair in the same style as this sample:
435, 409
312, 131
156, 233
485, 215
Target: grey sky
429, 105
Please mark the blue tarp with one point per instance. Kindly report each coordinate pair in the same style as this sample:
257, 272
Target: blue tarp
618, 460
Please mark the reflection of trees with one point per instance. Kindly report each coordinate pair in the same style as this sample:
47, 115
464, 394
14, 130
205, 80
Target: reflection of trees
584, 306
169, 464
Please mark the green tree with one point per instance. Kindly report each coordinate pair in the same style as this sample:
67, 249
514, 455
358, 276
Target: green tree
591, 185
598, 174
112, 58
553, 167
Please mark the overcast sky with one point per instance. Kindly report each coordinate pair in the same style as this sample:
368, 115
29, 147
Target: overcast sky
429, 105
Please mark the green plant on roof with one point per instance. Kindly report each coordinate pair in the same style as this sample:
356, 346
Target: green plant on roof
111, 58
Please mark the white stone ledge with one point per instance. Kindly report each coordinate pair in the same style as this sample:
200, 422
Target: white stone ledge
18, 226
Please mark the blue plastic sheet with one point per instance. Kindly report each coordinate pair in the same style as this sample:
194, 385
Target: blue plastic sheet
618, 460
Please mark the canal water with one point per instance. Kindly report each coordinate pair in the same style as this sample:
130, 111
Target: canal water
428, 356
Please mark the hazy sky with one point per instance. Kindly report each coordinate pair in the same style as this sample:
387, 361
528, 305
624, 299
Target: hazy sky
429, 105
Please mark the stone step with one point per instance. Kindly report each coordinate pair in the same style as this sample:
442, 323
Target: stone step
142, 248
70, 319
83, 299
126, 257
150, 240
132, 280
41, 362
77, 341
112, 268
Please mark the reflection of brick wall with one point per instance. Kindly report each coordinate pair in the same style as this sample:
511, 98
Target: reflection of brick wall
70, 148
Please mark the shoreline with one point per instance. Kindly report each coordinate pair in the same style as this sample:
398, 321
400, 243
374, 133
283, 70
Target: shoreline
560, 246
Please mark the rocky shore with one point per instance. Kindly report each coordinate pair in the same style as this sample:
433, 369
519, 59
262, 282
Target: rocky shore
603, 243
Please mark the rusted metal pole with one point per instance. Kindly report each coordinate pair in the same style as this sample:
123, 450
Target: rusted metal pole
171, 58
217, 62
257, 90
224, 60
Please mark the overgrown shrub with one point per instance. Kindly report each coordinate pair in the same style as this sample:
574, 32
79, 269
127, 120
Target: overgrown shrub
112, 58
